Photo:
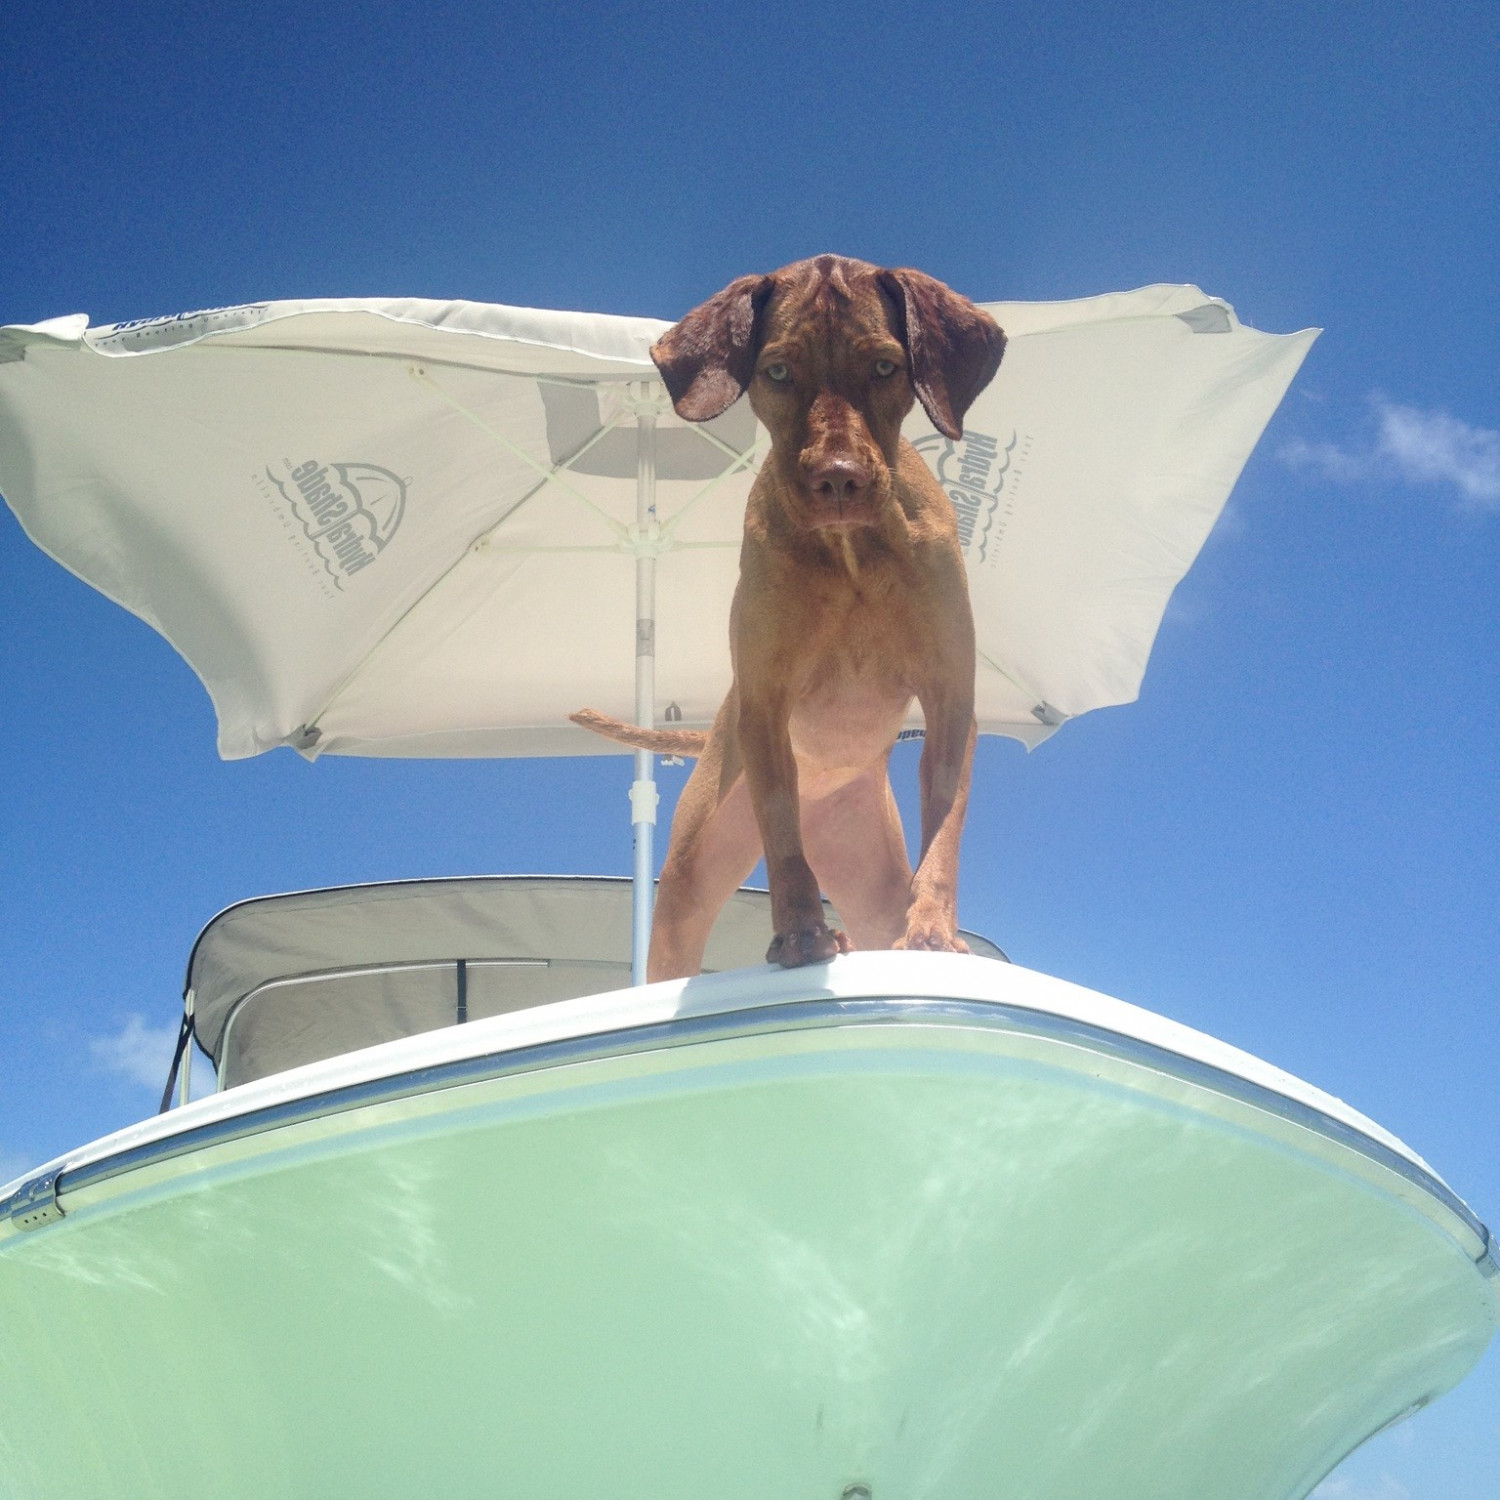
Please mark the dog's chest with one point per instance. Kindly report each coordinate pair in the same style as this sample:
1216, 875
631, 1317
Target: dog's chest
848, 709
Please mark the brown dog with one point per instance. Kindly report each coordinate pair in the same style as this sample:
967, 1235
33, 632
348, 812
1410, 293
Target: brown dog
851, 602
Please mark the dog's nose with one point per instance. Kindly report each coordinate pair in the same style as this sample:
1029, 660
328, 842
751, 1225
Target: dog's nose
840, 480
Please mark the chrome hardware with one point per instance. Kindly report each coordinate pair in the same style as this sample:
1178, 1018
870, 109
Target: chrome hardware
35, 1202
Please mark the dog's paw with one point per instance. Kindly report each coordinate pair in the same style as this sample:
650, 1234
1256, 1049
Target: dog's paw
813, 944
931, 933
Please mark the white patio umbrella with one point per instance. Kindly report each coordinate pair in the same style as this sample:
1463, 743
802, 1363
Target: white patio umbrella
415, 528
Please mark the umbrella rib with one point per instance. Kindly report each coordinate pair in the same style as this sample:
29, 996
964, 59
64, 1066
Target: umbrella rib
482, 542
719, 443
607, 428
1010, 677
547, 475
741, 461
552, 475
536, 489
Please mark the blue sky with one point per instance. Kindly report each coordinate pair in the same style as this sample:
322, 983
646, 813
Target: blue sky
1289, 841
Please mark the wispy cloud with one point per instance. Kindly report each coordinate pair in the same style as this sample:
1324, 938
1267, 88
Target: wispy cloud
1341, 1487
1412, 446
1329, 460
137, 1051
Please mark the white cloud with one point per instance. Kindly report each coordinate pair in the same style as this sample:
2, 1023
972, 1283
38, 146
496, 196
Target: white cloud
1415, 447
1430, 447
1341, 1487
1329, 460
137, 1051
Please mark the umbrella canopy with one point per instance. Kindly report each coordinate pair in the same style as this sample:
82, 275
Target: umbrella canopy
403, 527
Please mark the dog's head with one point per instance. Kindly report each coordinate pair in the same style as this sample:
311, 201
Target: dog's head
833, 352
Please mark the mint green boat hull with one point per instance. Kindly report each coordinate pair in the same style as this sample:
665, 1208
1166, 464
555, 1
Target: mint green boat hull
932, 1258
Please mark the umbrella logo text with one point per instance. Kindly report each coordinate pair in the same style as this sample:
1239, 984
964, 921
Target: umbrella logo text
349, 512
973, 471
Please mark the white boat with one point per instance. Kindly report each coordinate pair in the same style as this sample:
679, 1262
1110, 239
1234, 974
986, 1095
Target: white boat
900, 1225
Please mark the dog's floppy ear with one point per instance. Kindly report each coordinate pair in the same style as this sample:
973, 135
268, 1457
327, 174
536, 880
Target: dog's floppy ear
707, 359
954, 347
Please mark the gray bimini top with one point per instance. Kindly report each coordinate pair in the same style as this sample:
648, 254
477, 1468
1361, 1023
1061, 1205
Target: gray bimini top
278, 981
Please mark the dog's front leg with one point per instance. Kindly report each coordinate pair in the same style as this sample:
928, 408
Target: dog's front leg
801, 936
947, 763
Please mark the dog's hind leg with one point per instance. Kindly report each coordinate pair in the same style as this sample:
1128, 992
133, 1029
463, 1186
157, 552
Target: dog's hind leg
857, 850
714, 846
712, 852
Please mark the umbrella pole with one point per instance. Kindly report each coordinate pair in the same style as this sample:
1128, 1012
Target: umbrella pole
643, 794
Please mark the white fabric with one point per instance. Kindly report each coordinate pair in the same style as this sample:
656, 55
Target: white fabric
337, 511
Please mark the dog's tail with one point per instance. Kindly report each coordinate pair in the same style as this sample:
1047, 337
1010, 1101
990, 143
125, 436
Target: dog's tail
658, 741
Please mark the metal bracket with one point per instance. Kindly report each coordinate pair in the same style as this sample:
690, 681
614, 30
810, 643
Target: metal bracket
644, 799
35, 1203
1488, 1259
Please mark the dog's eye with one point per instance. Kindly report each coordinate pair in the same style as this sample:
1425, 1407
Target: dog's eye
778, 372
884, 368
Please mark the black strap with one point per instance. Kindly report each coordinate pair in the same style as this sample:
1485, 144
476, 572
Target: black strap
184, 1036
